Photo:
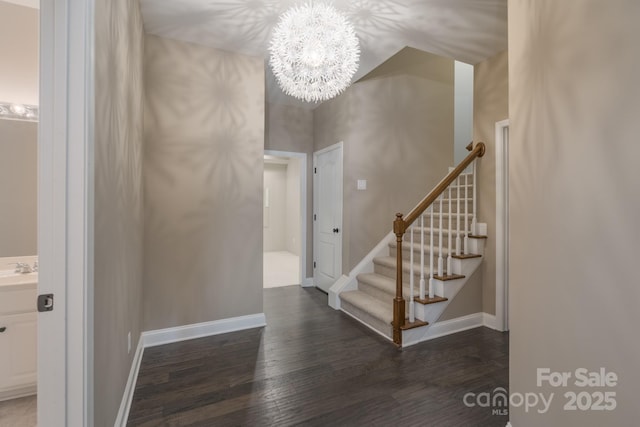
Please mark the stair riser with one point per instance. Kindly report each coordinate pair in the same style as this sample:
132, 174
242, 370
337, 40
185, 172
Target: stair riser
406, 247
417, 236
406, 254
417, 231
384, 328
454, 193
391, 273
445, 223
454, 207
386, 295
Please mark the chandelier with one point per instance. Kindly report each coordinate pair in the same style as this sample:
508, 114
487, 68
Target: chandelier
314, 52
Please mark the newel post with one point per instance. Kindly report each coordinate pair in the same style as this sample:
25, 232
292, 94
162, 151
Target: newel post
399, 228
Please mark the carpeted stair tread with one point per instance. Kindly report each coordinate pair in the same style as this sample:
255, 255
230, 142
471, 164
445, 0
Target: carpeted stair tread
385, 284
436, 216
417, 247
390, 262
436, 231
382, 311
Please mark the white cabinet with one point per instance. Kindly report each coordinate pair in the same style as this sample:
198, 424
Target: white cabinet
18, 342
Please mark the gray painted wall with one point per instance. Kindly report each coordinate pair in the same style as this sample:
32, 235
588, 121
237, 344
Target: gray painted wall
18, 188
574, 102
204, 147
274, 218
118, 200
292, 212
468, 301
19, 53
290, 128
282, 217
398, 135
491, 105
463, 102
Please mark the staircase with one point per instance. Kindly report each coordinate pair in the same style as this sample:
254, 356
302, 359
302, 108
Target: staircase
440, 249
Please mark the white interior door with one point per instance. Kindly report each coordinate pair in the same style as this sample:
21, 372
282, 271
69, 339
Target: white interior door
327, 206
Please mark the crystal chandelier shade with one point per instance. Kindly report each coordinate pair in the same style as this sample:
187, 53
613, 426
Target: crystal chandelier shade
314, 52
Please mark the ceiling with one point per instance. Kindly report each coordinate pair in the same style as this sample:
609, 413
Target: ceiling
465, 30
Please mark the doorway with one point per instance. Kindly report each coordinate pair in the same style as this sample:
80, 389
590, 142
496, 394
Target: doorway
284, 218
502, 225
327, 214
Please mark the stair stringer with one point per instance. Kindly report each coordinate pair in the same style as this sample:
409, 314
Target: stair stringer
350, 282
432, 312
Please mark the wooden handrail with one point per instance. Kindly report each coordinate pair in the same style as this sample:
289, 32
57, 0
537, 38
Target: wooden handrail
478, 151
401, 224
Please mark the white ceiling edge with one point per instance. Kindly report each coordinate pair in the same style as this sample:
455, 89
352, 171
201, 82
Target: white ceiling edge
34, 4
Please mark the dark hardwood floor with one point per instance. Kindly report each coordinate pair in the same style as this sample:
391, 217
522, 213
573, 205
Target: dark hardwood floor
315, 366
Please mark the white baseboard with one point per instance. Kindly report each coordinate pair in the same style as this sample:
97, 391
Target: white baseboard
367, 325
448, 327
17, 392
458, 324
127, 396
205, 329
490, 321
180, 333
308, 282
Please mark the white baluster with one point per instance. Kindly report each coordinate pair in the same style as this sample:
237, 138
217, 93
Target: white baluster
466, 214
458, 242
475, 207
412, 316
449, 270
431, 290
440, 260
422, 257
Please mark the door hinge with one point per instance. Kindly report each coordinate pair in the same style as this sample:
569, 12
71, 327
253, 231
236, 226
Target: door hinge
45, 302
315, 170
315, 218
314, 264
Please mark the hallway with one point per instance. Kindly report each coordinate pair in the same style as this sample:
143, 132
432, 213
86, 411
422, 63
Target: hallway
280, 268
315, 366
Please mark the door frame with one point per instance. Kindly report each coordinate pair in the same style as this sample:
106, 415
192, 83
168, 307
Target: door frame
303, 207
65, 211
340, 178
502, 225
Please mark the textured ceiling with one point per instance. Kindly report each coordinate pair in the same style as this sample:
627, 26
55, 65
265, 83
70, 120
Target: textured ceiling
465, 30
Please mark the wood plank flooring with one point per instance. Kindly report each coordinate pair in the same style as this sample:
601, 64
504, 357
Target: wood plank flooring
315, 366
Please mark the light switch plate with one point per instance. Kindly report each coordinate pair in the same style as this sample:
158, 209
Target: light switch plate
362, 184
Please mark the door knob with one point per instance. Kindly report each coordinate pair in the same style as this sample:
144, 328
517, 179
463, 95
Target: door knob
336, 230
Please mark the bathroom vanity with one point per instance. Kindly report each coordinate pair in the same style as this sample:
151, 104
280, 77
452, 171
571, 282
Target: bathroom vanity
18, 329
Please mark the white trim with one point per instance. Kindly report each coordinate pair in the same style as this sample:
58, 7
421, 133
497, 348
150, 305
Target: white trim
502, 224
340, 197
303, 207
127, 396
350, 282
490, 321
18, 392
446, 327
308, 282
205, 329
367, 325
329, 148
177, 334
65, 212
